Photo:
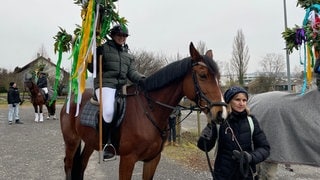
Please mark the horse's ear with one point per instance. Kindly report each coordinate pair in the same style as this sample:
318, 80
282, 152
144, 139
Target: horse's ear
209, 53
193, 52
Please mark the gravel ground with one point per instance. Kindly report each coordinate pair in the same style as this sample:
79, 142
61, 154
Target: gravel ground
35, 151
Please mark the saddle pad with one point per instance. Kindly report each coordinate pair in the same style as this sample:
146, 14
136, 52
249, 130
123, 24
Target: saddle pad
89, 115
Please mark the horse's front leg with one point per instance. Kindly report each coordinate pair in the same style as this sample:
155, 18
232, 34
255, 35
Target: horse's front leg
36, 114
126, 167
149, 168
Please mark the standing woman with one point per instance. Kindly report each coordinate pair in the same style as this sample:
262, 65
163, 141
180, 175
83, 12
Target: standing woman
13, 103
241, 143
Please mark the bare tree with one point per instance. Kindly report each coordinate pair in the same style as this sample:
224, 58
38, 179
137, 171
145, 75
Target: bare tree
240, 56
42, 52
201, 47
261, 84
273, 64
148, 63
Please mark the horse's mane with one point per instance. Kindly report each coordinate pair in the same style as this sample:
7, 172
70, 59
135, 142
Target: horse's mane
34, 85
175, 71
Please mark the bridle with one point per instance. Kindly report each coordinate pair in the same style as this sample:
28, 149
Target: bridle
200, 96
198, 92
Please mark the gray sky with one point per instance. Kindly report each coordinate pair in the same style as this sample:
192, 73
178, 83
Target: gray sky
163, 27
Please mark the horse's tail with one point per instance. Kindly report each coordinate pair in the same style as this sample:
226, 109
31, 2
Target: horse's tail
76, 167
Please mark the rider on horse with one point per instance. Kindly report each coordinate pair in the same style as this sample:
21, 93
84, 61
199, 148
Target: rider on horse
43, 84
117, 67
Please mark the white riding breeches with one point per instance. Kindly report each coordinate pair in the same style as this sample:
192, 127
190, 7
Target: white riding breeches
108, 98
45, 89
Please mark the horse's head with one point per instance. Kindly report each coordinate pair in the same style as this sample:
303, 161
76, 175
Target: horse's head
28, 83
204, 89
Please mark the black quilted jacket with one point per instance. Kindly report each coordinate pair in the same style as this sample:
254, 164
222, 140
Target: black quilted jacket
13, 95
117, 66
227, 168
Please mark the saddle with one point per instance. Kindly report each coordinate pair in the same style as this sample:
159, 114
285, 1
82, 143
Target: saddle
45, 96
90, 113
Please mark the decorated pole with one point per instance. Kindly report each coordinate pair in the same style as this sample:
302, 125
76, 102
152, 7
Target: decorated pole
100, 109
306, 39
97, 18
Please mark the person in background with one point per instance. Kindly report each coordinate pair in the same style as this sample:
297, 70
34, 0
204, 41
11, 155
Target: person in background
172, 127
43, 84
241, 143
13, 104
117, 68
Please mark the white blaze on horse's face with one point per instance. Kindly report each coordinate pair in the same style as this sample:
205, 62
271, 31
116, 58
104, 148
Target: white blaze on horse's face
208, 95
220, 116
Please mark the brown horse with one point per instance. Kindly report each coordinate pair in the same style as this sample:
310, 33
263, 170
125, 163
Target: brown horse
38, 100
144, 128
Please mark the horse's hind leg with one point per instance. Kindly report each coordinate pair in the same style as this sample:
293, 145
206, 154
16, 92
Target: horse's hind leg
85, 156
51, 110
149, 167
72, 159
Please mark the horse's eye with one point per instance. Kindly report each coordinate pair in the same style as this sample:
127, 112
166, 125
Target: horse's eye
202, 76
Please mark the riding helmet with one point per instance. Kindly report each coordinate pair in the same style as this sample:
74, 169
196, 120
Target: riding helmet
119, 29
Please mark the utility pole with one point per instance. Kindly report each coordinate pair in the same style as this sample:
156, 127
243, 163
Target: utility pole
287, 52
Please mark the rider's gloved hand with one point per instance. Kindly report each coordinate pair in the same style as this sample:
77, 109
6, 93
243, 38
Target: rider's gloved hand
237, 155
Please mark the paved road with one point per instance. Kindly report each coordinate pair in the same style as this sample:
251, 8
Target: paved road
35, 151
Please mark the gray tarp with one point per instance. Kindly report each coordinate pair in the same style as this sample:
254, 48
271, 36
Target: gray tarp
291, 123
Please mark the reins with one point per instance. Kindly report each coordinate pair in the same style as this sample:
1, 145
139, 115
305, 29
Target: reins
208, 159
243, 169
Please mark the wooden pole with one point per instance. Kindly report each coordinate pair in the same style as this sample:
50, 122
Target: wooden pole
178, 128
198, 122
100, 108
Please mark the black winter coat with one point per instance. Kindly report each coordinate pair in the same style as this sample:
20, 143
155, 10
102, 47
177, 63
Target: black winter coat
42, 82
225, 166
13, 95
117, 66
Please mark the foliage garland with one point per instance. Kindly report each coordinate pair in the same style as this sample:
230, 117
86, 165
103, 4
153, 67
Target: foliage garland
306, 36
97, 18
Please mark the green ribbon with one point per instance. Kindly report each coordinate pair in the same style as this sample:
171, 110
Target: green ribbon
58, 71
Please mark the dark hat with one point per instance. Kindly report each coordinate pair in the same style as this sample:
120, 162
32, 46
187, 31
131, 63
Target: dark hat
231, 92
119, 29
11, 83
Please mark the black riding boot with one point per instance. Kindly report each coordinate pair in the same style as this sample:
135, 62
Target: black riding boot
46, 96
109, 151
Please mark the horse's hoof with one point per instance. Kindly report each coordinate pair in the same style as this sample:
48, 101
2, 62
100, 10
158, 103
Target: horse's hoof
48, 117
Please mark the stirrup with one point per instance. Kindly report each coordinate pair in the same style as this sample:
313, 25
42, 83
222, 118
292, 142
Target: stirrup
109, 152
